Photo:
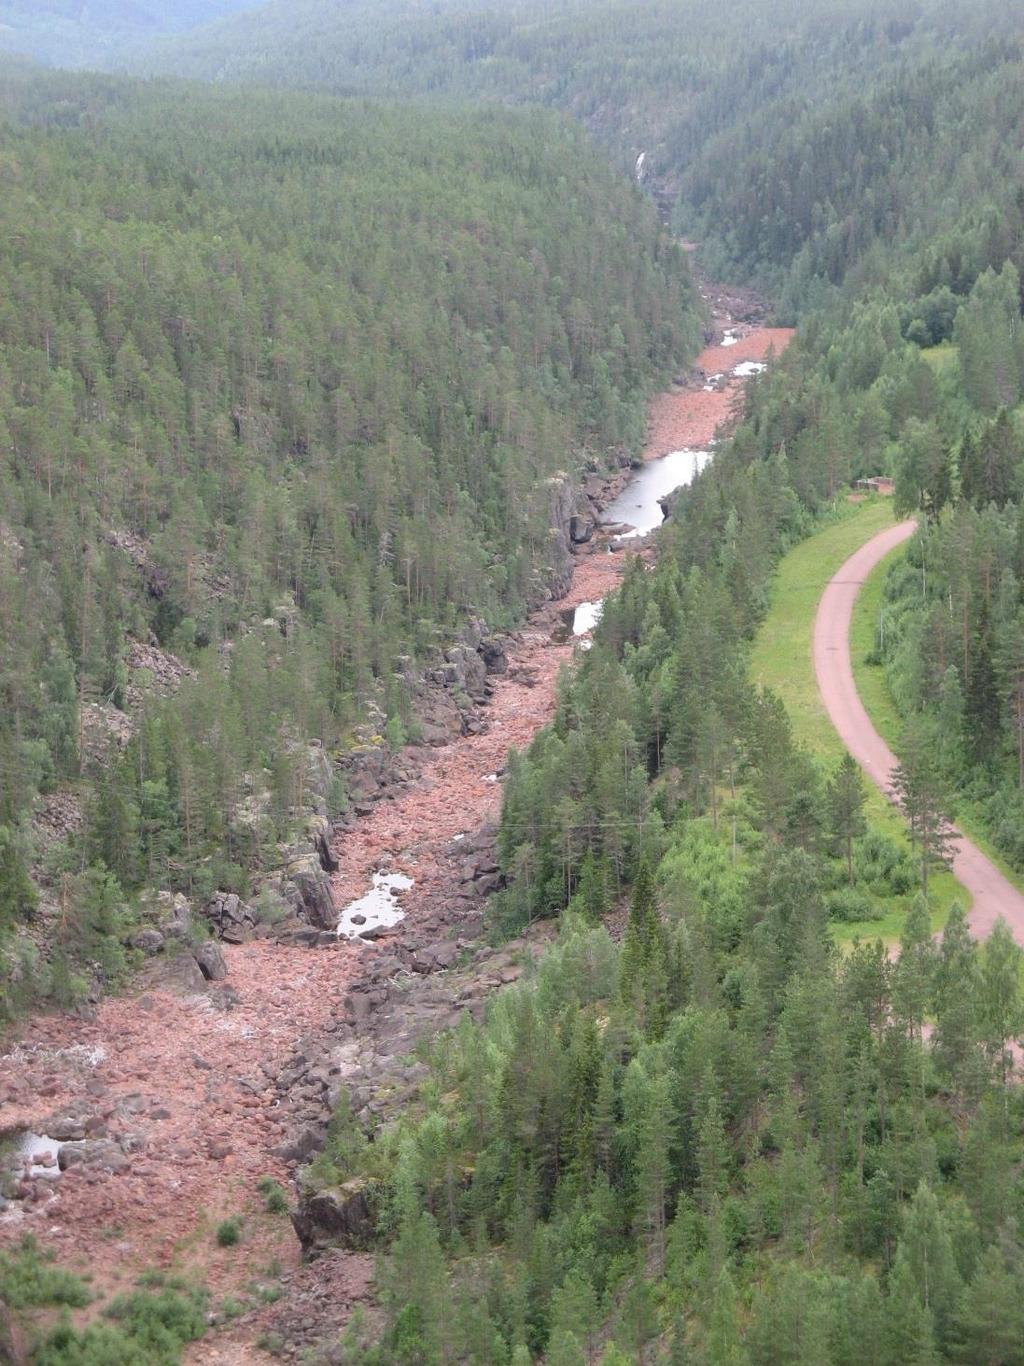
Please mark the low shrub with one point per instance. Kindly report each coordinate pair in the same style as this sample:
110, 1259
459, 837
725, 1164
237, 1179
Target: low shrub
851, 904
29, 1279
275, 1197
147, 1329
229, 1231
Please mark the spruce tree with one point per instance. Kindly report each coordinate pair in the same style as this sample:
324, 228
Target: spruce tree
923, 797
18, 896
846, 796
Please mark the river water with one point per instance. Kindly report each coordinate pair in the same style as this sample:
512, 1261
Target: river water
638, 507
638, 503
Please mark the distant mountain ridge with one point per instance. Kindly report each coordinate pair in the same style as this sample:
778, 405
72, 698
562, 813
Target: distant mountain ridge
79, 33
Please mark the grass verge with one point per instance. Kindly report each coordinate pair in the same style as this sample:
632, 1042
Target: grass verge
781, 660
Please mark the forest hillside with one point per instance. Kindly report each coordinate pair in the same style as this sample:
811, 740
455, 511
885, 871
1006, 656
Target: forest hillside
795, 146
296, 387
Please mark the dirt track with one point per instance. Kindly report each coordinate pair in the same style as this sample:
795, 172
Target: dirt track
991, 894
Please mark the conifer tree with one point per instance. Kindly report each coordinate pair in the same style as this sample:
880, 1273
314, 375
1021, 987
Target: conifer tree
1001, 1010
846, 796
923, 798
18, 896
912, 979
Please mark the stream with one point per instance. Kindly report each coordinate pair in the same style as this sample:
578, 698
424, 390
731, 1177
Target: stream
638, 506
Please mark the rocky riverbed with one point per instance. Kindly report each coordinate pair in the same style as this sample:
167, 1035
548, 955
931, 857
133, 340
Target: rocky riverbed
177, 1098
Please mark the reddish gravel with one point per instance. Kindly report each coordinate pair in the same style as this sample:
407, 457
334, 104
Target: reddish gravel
457, 791
184, 1078
454, 794
687, 418
992, 895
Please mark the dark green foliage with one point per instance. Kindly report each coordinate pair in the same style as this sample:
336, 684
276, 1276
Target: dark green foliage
846, 796
229, 1231
924, 799
799, 138
288, 381
722, 1139
718, 1139
18, 897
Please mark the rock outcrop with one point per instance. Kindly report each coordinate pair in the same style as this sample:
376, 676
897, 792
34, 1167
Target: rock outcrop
100, 1154
210, 957
230, 918
340, 1216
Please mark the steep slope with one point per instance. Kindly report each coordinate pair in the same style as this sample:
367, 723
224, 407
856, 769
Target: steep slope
789, 133
296, 388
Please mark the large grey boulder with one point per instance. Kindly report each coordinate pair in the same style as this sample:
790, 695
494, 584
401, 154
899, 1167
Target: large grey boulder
314, 889
147, 941
341, 1216
98, 1154
175, 972
210, 957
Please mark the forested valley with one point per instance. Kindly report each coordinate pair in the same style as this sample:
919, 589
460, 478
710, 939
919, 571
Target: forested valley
723, 1120
713, 1136
287, 384
788, 152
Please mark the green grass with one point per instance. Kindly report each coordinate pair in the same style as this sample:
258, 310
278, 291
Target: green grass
940, 357
781, 659
879, 704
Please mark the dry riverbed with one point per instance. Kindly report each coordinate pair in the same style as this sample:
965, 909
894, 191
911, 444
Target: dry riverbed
194, 1090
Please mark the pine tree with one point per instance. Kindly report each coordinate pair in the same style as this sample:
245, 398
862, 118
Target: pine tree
1001, 1010
912, 979
643, 964
921, 792
653, 1170
988, 1324
18, 896
955, 998
846, 797
712, 1146
926, 1254
911, 1325
98, 922
416, 1288
982, 711
724, 1344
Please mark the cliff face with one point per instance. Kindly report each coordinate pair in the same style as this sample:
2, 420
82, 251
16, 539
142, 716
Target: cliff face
573, 519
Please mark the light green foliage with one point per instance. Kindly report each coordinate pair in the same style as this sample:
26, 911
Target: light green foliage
146, 1328
29, 1279
275, 1197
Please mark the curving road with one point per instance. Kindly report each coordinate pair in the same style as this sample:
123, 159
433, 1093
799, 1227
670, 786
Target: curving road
991, 894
